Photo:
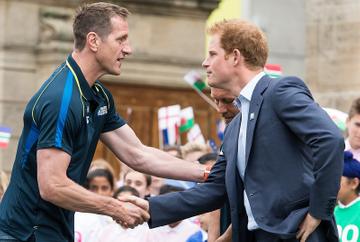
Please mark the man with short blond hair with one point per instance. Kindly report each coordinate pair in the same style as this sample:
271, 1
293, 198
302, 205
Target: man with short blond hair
281, 159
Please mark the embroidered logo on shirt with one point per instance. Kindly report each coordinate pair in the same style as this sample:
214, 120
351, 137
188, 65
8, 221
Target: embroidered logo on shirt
102, 111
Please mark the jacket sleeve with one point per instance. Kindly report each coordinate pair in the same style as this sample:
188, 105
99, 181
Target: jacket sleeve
202, 198
294, 105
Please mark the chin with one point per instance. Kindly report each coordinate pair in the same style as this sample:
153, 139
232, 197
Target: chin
114, 72
211, 83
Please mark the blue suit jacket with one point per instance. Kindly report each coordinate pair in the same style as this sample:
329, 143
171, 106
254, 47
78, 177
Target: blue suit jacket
294, 157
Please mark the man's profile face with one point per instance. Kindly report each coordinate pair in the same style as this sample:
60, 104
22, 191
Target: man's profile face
225, 102
218, 67
115, 47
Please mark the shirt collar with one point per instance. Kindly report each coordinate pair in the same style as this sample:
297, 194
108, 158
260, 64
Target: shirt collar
248, 90
350, 204
86, 90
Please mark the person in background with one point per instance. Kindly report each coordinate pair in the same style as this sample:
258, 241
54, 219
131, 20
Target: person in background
101, 164
140, 181
352, 143
158, 182
179, 231
220, 222
126, 191
87, 226
225, 102
113, 232
173, 150
347, 212
191, 152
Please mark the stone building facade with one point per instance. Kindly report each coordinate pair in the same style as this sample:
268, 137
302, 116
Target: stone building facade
167, 39
318, 40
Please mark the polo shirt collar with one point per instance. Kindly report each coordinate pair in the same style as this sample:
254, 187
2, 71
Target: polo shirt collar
86, 90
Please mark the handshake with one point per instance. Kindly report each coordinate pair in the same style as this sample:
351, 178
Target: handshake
131, 212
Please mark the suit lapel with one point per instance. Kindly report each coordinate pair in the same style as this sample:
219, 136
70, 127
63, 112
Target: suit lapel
254, 110
230, 150
231, 141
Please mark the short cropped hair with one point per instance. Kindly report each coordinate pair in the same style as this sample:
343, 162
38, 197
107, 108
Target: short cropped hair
95, 17
208, 157
355, 108
193, 147
244, 36
129, 189
99, 173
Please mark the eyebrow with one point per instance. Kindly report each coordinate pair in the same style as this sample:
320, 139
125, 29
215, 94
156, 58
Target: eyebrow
123, 37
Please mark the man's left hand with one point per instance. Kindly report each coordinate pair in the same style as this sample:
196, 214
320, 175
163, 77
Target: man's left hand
307, 227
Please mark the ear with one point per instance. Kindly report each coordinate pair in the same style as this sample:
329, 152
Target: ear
238, 58
92, 40
355, 182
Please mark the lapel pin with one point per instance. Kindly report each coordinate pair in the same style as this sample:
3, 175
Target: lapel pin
252, 116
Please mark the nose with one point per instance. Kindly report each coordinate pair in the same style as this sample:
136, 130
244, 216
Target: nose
127, 50
205, 63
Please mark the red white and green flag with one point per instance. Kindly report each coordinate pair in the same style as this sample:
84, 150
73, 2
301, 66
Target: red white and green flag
5, 134
273, 70
195, 80
195, 135
186, 119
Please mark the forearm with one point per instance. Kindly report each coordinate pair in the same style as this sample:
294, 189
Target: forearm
128, 148
159, 163
227, 236
200, 199
214, 226
69, 195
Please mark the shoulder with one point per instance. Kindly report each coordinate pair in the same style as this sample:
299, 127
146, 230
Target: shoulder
286, 88
286, 82
58, 87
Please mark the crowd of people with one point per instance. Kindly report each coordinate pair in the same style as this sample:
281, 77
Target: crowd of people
282, 174
91, 227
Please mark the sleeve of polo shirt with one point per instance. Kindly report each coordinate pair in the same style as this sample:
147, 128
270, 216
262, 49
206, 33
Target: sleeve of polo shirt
113, 119
58, 123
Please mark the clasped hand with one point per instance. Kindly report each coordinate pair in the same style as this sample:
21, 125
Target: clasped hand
135, 211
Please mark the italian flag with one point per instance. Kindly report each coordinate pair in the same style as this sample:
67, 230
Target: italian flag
5, 134
194, 79
186, 119
273, 70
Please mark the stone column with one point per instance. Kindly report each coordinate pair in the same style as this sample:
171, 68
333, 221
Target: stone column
18, 38
333, 51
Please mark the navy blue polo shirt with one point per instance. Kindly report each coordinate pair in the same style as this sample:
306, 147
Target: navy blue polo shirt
67, 114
